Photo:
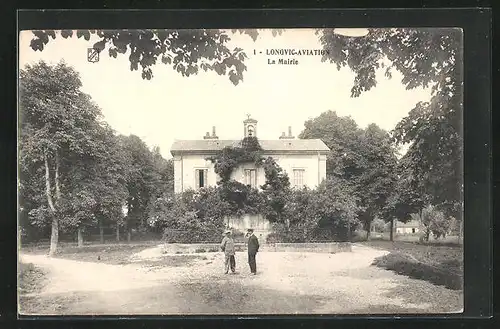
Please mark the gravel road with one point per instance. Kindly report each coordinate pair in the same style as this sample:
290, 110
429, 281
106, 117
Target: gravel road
287, 283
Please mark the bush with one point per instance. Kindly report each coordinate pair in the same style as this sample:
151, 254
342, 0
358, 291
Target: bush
193, 235
433, 221
358, 236
191, 217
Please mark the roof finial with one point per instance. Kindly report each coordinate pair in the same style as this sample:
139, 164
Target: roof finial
248, 115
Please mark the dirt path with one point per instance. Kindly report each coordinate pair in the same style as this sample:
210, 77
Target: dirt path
286, 283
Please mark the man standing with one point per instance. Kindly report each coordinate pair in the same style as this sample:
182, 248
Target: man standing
253, 248
227, 246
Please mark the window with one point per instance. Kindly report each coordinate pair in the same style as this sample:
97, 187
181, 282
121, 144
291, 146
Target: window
251, 177
201, 178
298, 178
250, 131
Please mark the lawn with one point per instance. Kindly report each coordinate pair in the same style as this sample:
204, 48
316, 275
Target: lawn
437, 263
116, 254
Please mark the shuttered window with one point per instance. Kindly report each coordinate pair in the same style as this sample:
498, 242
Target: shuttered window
251, 177
201, 178
298, 178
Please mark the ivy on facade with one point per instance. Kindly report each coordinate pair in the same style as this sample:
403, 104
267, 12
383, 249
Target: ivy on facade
229, 158
243, 198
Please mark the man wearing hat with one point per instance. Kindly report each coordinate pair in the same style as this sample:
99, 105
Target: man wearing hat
227, 246
253, 248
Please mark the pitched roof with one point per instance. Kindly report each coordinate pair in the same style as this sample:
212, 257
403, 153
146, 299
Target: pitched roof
210, 145
410, 224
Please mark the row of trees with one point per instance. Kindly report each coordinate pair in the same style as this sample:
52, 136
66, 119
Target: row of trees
361, 176
75, 171
362, 160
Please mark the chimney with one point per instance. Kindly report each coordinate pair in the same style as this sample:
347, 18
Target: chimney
283, 136
289, 131
213, 136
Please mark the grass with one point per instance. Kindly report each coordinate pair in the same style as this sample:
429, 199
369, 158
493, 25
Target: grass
438, 264
116, 254
31, 279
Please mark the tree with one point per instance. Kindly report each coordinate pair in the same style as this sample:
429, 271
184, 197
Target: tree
364, 159
425, 58
433, 221
165, 170
109, 181
342, 135
335, 208
55, 121
275, 192
187, 51
377, 181
142, 181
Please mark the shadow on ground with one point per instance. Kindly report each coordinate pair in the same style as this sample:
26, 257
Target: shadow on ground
442, 275
186, 298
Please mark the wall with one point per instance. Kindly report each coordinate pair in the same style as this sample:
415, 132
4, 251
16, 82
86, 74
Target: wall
184, 171
407, 230
185, 166
313, 164
260, 225
332, 247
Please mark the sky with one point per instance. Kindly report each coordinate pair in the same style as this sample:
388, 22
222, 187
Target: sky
170, 106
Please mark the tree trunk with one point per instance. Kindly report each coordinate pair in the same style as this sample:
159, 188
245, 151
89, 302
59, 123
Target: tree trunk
348, 231
101, 232
287, 223
127, 221
54, 234
391, 233
56, 177
80, 237
368, 229
117, 232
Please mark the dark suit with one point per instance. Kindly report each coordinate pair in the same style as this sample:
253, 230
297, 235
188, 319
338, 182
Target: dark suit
253, 248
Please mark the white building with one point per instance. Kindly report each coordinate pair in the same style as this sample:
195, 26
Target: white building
411, 227
304, 160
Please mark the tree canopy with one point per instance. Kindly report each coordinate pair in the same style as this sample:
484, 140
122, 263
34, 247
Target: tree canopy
75, 172
429, 173
426, 57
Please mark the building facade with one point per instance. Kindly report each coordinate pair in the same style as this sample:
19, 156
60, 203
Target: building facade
411, 227
304, 160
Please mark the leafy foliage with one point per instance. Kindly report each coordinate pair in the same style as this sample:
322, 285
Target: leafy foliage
90, 173
431, 169
191, 216
275, 192
59, 147
433, 221
361, 159
325, 214
229, 158
186, 51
